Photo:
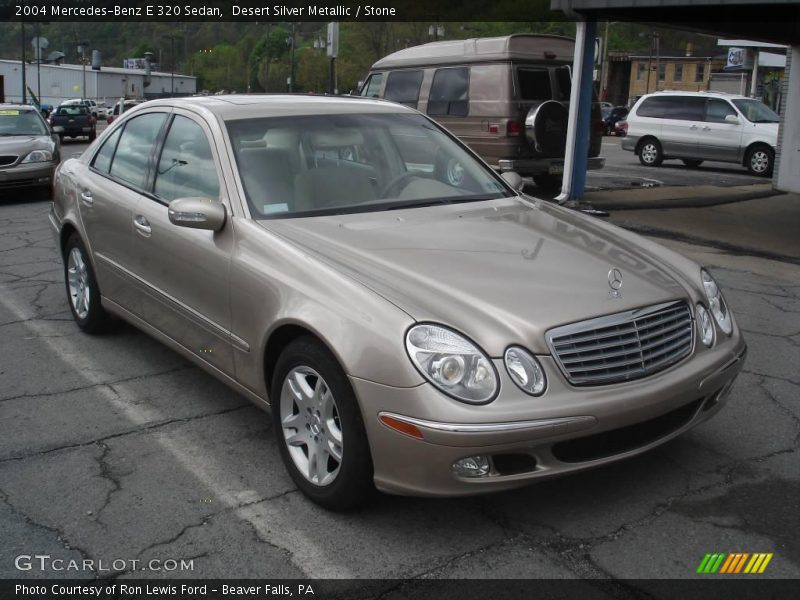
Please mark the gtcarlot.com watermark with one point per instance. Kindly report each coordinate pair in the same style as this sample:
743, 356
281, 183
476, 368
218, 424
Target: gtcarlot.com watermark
46, 563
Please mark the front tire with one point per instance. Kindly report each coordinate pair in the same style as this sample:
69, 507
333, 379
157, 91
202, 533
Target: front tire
548, 182
318, 427
83, 294
692, 163
759, 161
650, 153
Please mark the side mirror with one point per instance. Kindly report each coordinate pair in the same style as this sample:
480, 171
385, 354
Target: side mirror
732, 119
197, 213
513, 179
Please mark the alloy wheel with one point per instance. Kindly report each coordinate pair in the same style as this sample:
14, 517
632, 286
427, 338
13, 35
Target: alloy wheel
311, 426
759, 161
78, 281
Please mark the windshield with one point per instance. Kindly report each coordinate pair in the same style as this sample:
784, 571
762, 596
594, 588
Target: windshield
335, 164
756, 111
15, 121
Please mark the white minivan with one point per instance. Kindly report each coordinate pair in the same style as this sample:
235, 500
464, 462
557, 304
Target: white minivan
698, 126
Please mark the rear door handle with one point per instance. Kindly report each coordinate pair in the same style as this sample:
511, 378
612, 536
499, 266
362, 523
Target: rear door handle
86, 197
142, 225
693, 127
706, 128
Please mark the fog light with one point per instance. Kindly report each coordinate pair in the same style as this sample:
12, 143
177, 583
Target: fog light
472, 466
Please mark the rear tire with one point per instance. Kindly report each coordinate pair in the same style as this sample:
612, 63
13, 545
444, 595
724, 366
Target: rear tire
692, 163
83, 294
546, 181
650, 153
759, 161
318, 427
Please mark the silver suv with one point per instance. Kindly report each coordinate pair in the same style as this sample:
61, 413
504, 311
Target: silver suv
698, 126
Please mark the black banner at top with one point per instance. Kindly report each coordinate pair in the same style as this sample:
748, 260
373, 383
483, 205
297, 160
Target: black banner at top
278, 10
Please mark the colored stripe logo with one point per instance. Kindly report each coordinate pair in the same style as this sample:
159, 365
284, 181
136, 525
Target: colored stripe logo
734, 563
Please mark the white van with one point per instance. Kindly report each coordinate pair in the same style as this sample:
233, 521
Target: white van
698, 126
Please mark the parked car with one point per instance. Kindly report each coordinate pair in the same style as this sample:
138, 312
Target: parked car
74, 120
407, 333
506, 97
698, 126
612, 117
120, 107
29, 152
91, 105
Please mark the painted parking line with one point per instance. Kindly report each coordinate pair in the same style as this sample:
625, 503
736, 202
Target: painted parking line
307, 556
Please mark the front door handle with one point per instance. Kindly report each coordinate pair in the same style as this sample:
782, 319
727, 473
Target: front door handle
142, 225
86, 197
706, 128
693, 127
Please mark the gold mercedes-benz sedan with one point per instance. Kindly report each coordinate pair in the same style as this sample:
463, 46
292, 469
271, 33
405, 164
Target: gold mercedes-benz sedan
413, 322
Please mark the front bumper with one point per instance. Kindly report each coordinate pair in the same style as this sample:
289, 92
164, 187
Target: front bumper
27, 175
540, 166
526, 438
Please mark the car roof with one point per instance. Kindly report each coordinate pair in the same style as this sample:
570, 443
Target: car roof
242, 106
518, 46
703, 93
18, 106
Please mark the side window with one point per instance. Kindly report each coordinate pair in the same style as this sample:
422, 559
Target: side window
373, 87
135, 145
564, 80
684, 108
102, 160
186, 167
651, 107
717, 110
534, 84
403, 87
450, 92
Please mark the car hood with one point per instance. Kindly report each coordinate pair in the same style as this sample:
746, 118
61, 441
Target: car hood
22, 144
502, 271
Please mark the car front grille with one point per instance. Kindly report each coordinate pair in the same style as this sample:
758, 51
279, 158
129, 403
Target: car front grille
8, 159
623, 346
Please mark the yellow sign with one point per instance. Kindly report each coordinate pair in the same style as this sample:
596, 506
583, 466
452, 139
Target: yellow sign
76, 87
7, 112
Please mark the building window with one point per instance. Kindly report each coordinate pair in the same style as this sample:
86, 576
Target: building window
700, 73
662, 71
641, 69
678, 73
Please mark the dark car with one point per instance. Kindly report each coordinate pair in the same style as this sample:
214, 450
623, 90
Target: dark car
28, 149
612, 117
74, 120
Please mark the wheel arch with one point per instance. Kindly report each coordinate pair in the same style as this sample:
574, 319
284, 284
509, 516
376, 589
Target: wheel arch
283, 335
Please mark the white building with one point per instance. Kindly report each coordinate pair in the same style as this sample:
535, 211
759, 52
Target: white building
61, 82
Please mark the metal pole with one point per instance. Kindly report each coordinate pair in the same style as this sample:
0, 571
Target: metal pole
658, 61
39, 62
332, 77
24, 92
83, 65
291, 65
650, 62
172, 66
604, 68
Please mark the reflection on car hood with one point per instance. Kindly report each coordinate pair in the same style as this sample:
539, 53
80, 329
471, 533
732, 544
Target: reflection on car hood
502, 271
22, 144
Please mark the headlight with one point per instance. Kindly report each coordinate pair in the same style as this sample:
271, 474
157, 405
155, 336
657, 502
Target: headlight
525, 371
38, 156
717, 303
705, 327
452, 363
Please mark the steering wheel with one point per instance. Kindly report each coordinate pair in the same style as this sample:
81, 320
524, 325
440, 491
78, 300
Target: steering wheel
396, 185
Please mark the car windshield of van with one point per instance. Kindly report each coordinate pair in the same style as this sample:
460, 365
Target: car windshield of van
756, 111
15, 121
337, 164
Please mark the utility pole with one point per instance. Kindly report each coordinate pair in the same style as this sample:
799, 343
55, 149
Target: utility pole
604, 67
650, 61
24, 92
658, 60
39, 61
291, 60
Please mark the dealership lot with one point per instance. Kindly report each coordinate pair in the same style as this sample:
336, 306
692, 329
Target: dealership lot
113, 448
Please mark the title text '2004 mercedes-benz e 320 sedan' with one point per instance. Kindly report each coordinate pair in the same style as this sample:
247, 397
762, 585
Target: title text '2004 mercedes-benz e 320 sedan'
409, 332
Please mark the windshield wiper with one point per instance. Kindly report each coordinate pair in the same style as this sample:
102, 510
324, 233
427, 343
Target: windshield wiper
434, 201
766, 121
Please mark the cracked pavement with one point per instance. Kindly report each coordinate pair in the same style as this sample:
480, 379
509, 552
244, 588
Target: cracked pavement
114, 447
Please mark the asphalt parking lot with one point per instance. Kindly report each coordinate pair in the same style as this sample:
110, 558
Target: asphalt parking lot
115, 448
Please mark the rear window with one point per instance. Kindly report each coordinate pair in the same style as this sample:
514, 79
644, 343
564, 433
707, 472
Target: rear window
403, 87
534, 84
685, 108
449, 92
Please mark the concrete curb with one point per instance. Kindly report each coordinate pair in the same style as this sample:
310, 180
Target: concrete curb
680, 201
